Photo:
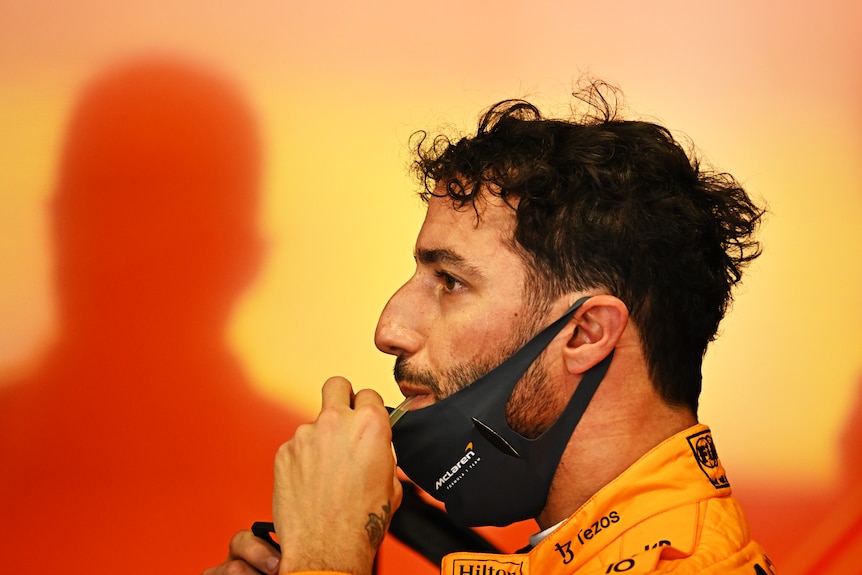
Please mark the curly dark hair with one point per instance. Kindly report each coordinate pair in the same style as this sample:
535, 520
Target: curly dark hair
613, 204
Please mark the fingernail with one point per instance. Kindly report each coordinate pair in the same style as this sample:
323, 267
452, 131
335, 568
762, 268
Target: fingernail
272, 564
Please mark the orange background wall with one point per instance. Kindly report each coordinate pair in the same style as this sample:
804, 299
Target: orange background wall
769, 91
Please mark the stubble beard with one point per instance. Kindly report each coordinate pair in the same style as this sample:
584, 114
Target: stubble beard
530, 409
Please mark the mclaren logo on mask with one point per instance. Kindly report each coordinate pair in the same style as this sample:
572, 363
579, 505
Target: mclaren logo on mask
457, 471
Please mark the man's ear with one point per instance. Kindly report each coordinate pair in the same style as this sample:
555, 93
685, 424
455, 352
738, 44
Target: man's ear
594, 332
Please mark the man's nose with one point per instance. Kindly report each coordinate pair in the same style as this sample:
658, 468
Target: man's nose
397, 330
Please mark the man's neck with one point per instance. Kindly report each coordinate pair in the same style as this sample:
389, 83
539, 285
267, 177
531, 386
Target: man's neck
626, 419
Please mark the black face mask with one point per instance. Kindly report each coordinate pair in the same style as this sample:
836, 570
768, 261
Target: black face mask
462, 451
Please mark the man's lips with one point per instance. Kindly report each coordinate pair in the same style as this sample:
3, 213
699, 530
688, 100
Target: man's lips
423, 395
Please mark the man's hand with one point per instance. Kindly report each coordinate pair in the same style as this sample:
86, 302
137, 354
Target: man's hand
335, 484
247, 555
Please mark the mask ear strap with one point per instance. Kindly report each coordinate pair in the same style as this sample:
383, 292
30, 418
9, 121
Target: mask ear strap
496, 429
583, 395
513, 369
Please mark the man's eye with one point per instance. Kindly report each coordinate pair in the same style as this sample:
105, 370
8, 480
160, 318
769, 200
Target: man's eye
449, 282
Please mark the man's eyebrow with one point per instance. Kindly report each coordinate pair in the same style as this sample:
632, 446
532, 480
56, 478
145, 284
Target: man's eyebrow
448, 257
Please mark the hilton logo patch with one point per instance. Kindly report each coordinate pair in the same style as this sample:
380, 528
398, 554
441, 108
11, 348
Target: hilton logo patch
704, 452
479, 566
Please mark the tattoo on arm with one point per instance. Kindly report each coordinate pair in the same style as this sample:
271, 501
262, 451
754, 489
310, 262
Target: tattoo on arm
377, 524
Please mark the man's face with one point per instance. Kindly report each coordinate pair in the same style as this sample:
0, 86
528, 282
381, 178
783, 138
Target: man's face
464, 310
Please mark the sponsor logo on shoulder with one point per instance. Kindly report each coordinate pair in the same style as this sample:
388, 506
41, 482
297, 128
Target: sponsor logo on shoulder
704, 452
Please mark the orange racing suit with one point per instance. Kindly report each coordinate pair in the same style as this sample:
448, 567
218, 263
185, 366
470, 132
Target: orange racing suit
670, 512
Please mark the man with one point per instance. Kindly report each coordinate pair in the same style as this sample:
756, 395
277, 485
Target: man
569, 276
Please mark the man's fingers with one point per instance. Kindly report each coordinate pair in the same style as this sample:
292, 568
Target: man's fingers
337, 391
246, 547
247, 555
232, 567
367, 397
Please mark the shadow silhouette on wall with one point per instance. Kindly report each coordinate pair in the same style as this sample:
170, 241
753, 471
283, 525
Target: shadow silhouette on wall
139, 445
808, 531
